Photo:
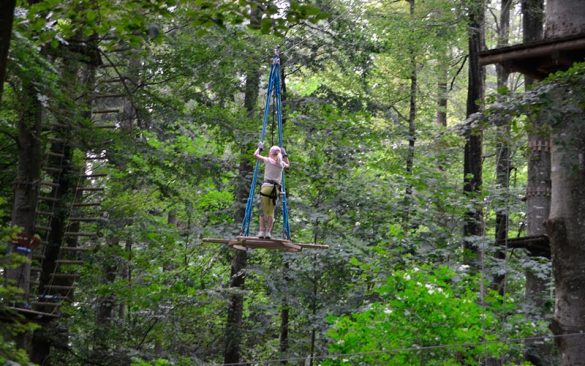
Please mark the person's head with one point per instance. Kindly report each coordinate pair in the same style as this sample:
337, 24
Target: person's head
274, 151
275, 154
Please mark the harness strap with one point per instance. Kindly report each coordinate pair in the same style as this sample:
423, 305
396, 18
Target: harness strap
273, 193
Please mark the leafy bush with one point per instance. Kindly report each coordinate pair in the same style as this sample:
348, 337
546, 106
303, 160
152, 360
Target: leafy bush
424, 316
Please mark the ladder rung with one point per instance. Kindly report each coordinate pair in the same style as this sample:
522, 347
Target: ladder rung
52, 297
68, 261
51, 199
35, 269
96, 175
59, 155
59, 125
45, 213
56, 139
80, 233
106, 111
111, 65
87, 204
49, 184
108, 81
43, 228
76, 249
105, 96
90, 189
87, 219
59, 287
45, 303
52, 169
65, 275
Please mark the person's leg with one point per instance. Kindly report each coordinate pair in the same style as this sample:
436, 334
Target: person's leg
268, 206
269, 220
261, 228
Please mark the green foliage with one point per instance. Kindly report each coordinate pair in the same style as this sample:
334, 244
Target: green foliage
424, 315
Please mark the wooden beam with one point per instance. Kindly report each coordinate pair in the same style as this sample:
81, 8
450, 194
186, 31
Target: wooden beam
537, 246
538, 59
530, 51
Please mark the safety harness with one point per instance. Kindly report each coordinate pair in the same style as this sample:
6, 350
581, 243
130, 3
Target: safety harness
274, 192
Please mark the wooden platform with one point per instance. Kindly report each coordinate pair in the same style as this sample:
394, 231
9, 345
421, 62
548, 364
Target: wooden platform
538, 59
537, 246
253, 242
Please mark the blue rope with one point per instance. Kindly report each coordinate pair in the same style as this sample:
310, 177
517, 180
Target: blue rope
285, 225
273, 87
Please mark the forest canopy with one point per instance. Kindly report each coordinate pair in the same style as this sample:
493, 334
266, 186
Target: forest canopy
422, 178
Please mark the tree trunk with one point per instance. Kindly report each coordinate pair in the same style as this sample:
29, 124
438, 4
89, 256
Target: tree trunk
6, 20
472, 169
411, 123
565, 224
442, 93
502, 155
567, 234
564, 18
28, 174
233, 330
537, 195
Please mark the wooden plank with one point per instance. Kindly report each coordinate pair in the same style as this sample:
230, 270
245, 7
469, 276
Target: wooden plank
312, 246
71, 233
33, 312
253, 242
68, 261
44, 303
59, 287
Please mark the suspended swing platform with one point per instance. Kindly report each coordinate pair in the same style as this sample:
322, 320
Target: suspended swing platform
253, 242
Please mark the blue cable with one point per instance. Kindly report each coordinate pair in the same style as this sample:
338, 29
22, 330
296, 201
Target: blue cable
273, 87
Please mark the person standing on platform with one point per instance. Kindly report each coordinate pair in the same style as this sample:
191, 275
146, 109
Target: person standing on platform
274, 164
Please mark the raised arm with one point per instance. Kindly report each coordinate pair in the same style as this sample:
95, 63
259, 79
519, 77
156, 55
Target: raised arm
285, 157
258, 151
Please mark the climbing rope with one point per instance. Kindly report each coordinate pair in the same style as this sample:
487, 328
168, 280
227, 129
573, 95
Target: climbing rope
273, 90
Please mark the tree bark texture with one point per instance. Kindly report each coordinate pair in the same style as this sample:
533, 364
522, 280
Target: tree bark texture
28, 174
564, 18
502, 153
566, 224
233, 330
6, 20
537, 194
442, 95
532, 26
473, 146
411, 123
566, 228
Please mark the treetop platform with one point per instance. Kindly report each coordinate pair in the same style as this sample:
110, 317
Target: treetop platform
538, 59
253, 242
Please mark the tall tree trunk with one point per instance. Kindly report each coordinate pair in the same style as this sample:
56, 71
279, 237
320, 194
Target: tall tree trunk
502, 154
442, 92
6, 20
28, 174
565, 224
567, 233
233, 330
537, 195
472, 169
411, 122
